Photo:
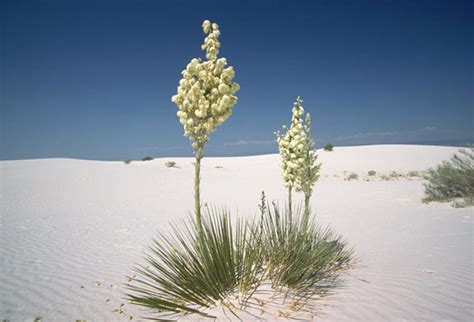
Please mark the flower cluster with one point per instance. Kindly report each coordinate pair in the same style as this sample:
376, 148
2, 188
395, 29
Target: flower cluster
292, 145
310, 170
205, 95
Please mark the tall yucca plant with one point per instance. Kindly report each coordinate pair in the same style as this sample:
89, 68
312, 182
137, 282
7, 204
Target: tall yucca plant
205, 98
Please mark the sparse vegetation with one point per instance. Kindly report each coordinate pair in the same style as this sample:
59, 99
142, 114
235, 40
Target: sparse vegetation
328, 147
371, 173
413, 174
386, 178
147, 158
395, 175
451, 180
352, 176
301, 258
127, 161
170, 164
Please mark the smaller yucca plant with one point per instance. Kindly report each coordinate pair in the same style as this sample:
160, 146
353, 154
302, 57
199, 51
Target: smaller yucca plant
301, 257
292, 148
309, 172
298, 158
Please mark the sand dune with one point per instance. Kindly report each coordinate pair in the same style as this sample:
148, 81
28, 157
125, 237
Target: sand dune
71, 230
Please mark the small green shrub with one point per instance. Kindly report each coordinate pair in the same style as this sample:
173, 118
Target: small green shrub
371, 173
328, 147
301, 257
395, 175
127, 161
452, 179
412, 174
147, 158
170, 164
386, 178
352, 176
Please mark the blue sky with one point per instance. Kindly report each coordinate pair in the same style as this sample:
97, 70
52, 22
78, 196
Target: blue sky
93, 79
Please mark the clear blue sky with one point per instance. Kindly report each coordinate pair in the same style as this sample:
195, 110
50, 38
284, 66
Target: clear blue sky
93, 79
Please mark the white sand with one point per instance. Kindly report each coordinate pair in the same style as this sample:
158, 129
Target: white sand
66, 224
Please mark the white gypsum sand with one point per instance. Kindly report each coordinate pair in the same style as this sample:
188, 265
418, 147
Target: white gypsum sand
71, 230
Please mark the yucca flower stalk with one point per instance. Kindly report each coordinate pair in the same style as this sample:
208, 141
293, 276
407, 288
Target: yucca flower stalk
296, 148
309, 172
291, 146
205, 98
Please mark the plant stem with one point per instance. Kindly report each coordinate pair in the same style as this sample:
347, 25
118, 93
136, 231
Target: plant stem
289, 203
307, 197
197, 193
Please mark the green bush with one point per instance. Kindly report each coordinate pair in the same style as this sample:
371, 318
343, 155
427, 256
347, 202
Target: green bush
412, 174
395, 175
452, 179
300, 256
371, 173
328, 147
147, 158
170, 164
127, 161
352, 176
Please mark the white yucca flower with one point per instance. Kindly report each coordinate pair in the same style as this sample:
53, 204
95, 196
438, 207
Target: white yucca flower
205, 96
298, 158
291, 145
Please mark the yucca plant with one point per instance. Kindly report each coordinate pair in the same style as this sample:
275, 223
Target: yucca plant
205, 98
291, 148
302, 258
185, 274
298, 157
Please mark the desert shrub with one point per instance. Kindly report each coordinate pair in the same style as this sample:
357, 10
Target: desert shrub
395, 175
452, 179
371, 173
147, 158
386, 177
413, 174
328, 147
194, 269
352, 176
170, 164
127, 161
300, 256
